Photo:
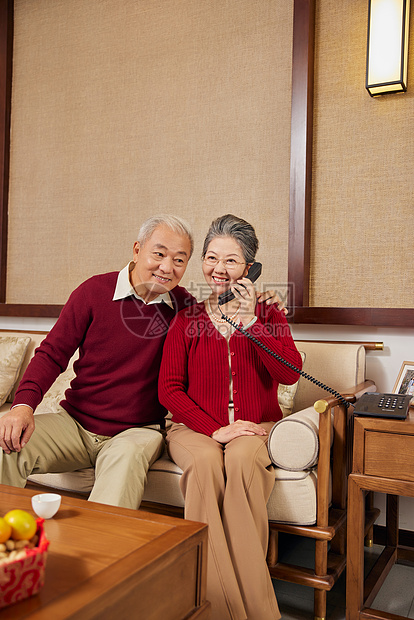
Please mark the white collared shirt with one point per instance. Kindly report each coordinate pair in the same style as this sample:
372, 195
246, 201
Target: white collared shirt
125, 289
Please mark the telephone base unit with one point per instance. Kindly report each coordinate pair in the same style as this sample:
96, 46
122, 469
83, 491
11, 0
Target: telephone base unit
383, 405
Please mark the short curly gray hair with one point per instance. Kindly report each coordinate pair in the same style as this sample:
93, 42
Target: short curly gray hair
240, 230
177, 224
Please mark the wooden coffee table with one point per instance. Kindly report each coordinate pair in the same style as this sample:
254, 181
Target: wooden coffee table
106, 562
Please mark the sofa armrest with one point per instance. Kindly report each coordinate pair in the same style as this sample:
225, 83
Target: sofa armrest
338, 470
294, 441
351, 395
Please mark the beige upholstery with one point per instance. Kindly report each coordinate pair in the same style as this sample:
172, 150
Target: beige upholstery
12, 353
293, 445
299, 429
294, 497
340, 366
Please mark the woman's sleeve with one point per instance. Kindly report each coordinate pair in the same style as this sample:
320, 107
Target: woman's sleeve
273, 331
173, 381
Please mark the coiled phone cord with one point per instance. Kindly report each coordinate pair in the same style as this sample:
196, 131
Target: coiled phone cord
285, 362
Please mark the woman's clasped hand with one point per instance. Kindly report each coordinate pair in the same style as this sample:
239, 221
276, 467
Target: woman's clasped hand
237, 429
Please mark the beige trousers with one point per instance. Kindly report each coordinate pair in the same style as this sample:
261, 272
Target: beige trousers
60, 444
227, 487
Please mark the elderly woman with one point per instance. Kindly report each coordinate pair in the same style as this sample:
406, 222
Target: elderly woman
222, 391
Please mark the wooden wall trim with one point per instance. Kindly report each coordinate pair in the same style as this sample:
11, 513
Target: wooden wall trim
34, 310
378, 317
300, 184
6, 56
301, 150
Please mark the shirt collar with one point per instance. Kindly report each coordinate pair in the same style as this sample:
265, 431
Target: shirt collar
125, 289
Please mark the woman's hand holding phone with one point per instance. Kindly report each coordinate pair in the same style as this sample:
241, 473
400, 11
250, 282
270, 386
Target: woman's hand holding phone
248, 297
269, 297
245, 292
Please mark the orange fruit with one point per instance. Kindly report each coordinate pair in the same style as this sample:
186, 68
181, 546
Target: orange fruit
23, 525
5, 530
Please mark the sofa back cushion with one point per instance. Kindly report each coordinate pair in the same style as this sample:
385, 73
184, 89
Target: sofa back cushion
286, 393
35, 339
12, 353
56, 393
340, 366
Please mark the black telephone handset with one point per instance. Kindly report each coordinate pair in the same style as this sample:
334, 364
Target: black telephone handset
253, 273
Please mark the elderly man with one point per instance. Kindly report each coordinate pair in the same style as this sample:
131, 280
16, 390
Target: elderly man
111, 417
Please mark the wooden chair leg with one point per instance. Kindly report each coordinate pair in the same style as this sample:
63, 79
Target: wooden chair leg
338, 543
392, 520
321, 568
273, 548
369, 504
320, 604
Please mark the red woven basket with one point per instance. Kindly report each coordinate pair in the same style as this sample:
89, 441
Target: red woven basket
25, 576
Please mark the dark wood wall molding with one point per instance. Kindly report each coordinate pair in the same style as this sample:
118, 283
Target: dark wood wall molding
300, 184
33, 310
301, 150
376, 317
6, 55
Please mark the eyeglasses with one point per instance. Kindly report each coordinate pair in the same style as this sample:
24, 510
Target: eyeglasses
229, 263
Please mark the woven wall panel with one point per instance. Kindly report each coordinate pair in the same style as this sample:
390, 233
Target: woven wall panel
363, 181
128, 108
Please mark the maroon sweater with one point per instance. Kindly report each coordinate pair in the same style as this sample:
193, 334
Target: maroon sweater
120, 347
194, 376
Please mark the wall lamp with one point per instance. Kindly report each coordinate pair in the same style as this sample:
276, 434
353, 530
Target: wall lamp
387, 47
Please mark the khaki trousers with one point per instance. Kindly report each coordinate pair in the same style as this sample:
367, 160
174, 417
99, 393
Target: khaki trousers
227, 487
60, 444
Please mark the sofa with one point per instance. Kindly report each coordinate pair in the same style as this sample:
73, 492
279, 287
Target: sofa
293, 444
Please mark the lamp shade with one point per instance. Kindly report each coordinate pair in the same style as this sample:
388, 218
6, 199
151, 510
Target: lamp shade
387, 47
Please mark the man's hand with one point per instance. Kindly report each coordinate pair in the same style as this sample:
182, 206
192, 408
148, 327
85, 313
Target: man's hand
16, 428
270, 297
237, 429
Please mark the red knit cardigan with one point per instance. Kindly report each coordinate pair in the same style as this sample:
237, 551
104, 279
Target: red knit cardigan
194, 376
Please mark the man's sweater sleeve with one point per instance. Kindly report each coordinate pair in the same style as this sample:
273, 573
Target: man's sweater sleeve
52, 356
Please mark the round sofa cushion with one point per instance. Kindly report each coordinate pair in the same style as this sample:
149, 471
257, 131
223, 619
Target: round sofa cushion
293, 441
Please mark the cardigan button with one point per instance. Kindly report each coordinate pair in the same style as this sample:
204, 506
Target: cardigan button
233, 372
231, 352
236, 409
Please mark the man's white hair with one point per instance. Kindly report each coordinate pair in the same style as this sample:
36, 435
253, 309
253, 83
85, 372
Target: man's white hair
177, 224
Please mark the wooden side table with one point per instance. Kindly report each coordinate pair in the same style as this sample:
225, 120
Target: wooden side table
383, 461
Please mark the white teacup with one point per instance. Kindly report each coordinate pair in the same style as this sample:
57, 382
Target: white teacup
46, 505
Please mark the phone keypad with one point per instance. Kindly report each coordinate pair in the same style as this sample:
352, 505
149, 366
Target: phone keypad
383, 405
389, 402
